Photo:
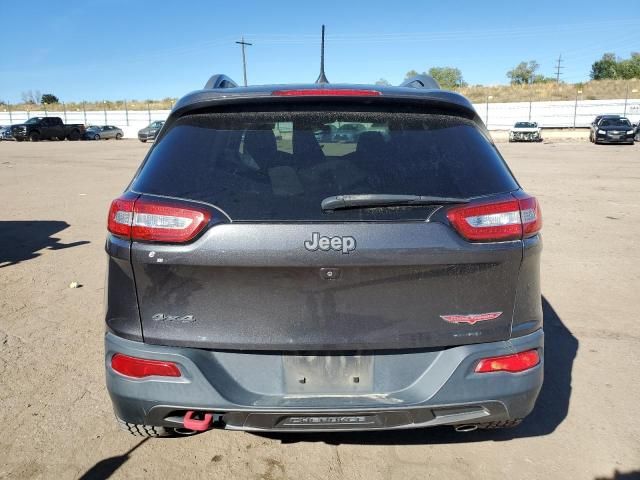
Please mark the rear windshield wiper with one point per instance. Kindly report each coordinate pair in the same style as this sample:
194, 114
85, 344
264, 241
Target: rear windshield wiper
367, 200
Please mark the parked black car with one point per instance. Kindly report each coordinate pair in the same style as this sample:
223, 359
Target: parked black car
46, 128
263, 285
612, 129
151, 131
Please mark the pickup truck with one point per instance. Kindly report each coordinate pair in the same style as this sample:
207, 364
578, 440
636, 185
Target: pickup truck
46, 128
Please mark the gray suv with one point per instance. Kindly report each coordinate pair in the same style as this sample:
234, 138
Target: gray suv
262, 279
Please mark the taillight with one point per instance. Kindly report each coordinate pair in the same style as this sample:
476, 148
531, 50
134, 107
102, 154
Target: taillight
142, 367
517, 362
156, 221
502, 220
121, 216
321, 92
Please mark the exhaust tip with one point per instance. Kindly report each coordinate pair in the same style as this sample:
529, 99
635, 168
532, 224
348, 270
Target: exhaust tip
185, 431
465, 428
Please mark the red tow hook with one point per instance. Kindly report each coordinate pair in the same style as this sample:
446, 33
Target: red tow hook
198, 425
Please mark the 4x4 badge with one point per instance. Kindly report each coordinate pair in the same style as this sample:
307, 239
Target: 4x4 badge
471, 319
344, 244
162, 317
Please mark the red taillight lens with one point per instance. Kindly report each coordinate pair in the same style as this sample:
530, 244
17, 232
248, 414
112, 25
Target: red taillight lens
141, 367
517, 362
497, 221
121, 216
321, 92
531, 216
156, 221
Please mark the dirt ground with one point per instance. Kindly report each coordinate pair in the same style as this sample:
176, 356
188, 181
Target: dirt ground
56, 416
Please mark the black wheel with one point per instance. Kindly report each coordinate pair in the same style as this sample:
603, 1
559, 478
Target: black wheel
143, 141
139, 430
19, 139
61, 139
501, 424
96, 137
74, 135
34, 137
118, 136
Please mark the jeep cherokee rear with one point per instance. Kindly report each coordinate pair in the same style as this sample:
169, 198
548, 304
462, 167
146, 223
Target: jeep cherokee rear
261, 280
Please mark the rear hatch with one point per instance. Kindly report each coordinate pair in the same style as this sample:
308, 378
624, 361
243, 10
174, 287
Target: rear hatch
272, 270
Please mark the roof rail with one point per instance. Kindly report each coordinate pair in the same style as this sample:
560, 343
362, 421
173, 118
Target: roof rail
421, 81
220, 81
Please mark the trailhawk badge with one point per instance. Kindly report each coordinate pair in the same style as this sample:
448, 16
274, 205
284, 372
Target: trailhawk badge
339, 244
471, 319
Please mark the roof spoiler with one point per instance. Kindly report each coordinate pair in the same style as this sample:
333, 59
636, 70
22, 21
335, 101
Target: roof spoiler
421, 81
220, 81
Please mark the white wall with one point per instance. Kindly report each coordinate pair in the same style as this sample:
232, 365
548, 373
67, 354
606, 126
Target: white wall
501, 116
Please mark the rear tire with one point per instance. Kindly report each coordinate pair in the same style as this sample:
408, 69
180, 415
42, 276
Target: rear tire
74, 135
118, 136
62, 139
139, 430
501, 424
143, 141
96, 137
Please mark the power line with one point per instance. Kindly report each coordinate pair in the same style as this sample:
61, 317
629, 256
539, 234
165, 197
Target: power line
558, 68
244, 58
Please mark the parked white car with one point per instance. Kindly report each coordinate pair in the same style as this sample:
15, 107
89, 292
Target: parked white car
525, 132
5, 133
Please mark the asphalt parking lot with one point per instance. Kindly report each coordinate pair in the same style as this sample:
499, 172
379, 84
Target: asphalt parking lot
56, 416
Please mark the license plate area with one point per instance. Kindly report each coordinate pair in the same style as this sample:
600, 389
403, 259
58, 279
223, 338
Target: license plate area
328, 374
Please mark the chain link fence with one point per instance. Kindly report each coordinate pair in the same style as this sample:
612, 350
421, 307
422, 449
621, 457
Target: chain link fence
577, 113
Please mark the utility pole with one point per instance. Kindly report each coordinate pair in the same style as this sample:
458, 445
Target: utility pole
244, 59
558, 68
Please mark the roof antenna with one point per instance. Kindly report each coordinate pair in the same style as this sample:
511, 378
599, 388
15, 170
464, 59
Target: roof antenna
322, 78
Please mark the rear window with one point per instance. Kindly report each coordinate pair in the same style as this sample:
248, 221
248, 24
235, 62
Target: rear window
279, 166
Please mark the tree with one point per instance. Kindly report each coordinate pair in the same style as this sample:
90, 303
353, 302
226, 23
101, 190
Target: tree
612, 67
630, 68
605, 68
383, 82
447, 77
49, 98
28, 97
524, 73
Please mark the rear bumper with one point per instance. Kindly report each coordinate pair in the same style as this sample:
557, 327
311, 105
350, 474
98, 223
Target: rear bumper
255, 391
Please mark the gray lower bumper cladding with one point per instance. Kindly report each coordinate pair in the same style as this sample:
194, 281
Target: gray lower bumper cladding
275, 391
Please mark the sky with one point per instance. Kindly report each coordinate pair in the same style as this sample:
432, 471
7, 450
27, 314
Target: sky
127, 49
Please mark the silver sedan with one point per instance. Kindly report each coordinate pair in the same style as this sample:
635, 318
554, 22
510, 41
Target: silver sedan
98, 132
